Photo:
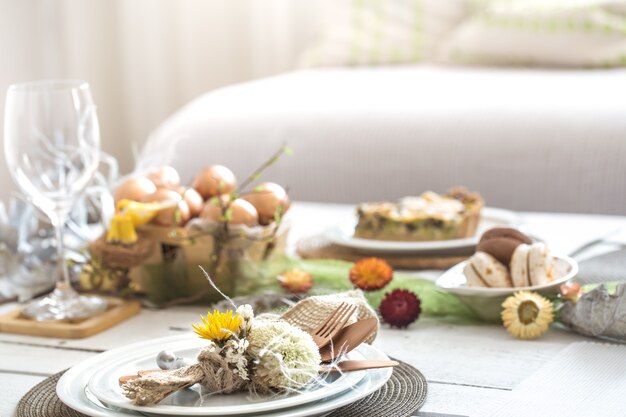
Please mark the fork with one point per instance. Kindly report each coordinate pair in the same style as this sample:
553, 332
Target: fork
336, 321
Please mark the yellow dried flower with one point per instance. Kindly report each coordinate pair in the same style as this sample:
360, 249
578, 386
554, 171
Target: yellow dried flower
218, 326
527, 315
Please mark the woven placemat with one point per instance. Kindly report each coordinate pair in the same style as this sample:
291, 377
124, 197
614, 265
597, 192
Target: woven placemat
317, 247
42, 401
401, 396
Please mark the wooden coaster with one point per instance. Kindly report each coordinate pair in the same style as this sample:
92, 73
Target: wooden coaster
317, 247
118, 311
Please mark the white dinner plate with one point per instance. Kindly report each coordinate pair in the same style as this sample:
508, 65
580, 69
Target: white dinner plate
105, 387
72, 387
343, 234
454, 281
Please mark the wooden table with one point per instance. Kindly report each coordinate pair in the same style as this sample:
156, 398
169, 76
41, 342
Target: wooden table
467, 366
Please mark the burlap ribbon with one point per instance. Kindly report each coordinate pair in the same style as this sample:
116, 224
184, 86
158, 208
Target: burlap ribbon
212, 372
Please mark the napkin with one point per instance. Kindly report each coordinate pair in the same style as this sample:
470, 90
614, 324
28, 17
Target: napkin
584, 379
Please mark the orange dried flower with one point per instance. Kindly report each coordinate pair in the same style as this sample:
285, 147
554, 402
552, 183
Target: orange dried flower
296, 281
571, 291
371, 274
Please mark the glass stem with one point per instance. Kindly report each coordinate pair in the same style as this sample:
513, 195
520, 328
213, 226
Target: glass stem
59, 228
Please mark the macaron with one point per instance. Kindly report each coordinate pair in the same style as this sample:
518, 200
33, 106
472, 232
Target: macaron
501, 242
483, 270
507, 232
532, 265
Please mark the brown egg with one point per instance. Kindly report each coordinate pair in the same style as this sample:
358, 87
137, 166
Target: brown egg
193, 199
211, 210
214, 180
242, 212
165, 177
267, 198
176, 215
136, 189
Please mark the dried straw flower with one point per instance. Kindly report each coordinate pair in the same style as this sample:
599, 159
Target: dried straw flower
400, 308
527, 315
296, 281
571, 291
218, 326
371, 274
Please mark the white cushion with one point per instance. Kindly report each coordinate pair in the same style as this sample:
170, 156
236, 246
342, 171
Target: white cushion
377, 32
564, 33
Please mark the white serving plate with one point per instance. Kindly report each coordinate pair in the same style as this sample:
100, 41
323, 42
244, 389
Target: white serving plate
343, 234
105, 387
72, 387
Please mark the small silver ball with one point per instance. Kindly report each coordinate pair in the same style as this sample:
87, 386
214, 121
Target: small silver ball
166, 359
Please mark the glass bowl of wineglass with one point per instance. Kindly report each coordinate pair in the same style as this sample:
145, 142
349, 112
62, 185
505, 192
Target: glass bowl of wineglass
52, 149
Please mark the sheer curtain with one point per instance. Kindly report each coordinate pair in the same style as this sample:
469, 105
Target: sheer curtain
146, 58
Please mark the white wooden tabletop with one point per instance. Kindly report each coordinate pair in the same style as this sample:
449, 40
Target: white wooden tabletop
467, 366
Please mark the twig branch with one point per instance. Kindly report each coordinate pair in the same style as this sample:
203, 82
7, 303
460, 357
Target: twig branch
257, 173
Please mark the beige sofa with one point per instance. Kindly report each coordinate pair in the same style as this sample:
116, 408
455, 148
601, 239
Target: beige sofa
526, 139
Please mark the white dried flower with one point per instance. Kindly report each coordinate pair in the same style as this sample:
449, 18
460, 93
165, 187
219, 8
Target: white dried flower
234, 353
246, 312
285, 357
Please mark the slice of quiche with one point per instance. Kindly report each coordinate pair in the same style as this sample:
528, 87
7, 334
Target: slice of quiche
454, 215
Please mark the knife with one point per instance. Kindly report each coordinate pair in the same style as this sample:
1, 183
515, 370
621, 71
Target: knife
357, 365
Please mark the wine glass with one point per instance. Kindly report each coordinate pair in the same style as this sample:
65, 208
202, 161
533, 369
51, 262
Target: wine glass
52, 149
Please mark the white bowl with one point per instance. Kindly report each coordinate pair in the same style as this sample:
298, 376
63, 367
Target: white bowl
487, 302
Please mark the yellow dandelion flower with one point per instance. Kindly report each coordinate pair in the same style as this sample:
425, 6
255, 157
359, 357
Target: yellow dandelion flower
527, 315
218, 326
